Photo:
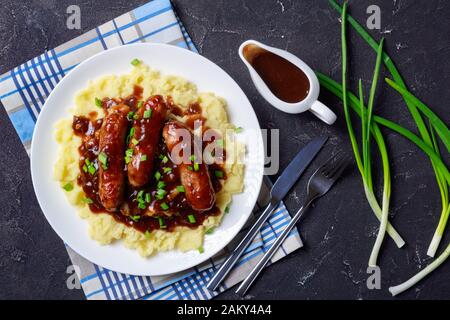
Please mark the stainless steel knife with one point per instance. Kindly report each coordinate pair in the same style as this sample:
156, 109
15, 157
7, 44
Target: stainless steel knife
279, 190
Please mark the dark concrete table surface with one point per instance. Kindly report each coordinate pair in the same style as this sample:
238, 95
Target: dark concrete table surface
340, 231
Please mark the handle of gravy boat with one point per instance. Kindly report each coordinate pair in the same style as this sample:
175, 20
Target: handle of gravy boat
322, 112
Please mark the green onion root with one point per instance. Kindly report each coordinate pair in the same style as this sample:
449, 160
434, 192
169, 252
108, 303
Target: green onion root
422, 274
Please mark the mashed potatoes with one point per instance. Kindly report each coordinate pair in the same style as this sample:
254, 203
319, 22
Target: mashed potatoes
103, 227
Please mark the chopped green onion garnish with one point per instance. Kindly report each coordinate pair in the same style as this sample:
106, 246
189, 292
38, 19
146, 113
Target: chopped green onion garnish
147, 234
164, 206
144, 157
157, 175
85, 168
68, 187
167, 170
127, 160
161, 192
87, 200
190, 168
129, 152
139, 104
141, 205
92, 169
161, 185
191, 218
131, 132
87, 161
218, 174
238, 130
165, 159
103, 158
148, 197
209, 231
135, 62
135, 116
180, 189
140, 194
98, 102
227, 209
196, 167
147, 114
161, 223
135, 218
192, 157
130, 115
135, 141
201, 250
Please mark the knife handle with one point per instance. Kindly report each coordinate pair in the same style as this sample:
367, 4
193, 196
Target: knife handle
248, 281
226, 267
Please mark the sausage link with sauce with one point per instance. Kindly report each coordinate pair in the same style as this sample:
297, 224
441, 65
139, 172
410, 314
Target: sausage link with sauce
195, 179
147, 130
111, 157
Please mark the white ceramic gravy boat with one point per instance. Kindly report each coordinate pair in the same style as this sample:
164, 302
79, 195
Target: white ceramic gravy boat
310, 102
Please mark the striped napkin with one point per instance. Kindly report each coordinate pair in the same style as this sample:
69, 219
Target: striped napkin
23, 91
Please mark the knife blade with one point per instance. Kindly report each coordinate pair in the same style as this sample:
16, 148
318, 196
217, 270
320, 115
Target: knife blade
295, 168
279, 190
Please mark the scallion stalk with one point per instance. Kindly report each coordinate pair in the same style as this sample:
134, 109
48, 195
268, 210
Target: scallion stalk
364, 165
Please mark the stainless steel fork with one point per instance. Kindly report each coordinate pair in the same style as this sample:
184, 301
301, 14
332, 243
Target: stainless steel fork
320, 183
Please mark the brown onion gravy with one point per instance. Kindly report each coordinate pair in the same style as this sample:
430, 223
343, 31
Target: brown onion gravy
153, 216
284, 79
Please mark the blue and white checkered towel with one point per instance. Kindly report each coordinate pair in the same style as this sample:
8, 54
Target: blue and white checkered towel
23, 91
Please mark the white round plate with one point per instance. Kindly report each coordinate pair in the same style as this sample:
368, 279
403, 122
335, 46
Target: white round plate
169, 60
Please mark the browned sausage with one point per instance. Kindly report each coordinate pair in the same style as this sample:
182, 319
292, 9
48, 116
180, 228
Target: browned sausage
111, 157
147, 130
195, 179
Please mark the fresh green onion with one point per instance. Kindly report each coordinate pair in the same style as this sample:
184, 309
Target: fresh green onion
191, 218
196, 166
68, 186
238, 129
364, 164
139, 104
135, 62
167, 170
157, 175
201, 250
85, 168
192, 158
135, 116
209, 231
144, 157
218, 174
190, 168
147, 114
148, 197
135, 141
227, 209
147, 234
165, 159
181, 189
98, 102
